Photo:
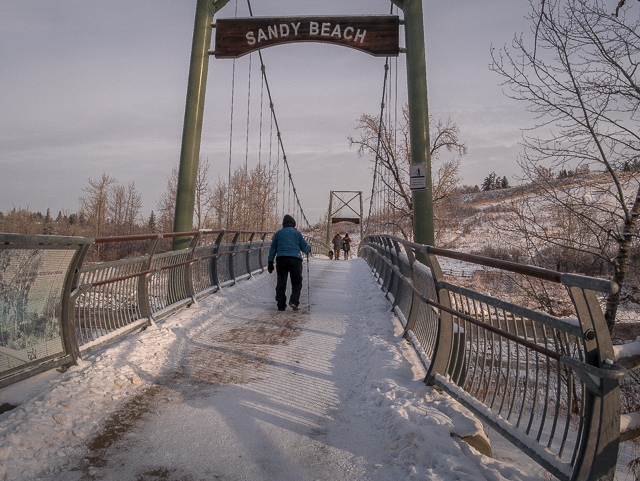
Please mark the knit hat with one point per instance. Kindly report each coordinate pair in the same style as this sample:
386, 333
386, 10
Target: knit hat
288, 221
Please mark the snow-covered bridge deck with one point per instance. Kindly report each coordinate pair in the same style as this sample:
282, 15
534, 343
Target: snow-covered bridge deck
233, 389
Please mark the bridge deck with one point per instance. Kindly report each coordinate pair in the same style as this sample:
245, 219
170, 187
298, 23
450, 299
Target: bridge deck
247, 392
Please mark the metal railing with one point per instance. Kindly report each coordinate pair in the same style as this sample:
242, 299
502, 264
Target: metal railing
53, 308
317, 247
547, 384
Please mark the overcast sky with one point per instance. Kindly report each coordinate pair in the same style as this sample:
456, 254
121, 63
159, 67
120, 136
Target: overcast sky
90, 87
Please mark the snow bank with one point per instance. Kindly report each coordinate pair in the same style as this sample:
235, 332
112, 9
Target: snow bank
43, 431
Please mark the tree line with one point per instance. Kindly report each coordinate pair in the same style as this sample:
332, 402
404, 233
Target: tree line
246, 201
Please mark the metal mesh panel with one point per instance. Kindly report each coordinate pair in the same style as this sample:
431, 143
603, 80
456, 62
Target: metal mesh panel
108, 307
201, 270
427, 320
166, 286
254, 260
527, 389
222, 264
404, 293
240, 260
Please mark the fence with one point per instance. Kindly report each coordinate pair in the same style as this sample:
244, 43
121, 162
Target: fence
317, 247
55, 309
547, 384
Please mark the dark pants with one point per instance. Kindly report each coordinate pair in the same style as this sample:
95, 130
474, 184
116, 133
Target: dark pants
288, 266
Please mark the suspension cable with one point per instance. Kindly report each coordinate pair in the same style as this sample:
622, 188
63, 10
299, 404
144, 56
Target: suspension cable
246, 153
375, 169
284, 156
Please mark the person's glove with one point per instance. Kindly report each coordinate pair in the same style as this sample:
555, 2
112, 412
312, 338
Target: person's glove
270, 267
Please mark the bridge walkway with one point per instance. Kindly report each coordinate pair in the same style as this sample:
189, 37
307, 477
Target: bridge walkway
331, 392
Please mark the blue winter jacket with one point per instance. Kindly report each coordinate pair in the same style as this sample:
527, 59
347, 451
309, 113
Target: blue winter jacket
288, 242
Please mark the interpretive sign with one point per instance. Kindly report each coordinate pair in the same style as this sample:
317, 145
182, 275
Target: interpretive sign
417, 177
374, 34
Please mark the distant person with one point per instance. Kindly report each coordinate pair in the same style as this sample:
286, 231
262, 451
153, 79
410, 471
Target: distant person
346, 245
337, 245
286, 247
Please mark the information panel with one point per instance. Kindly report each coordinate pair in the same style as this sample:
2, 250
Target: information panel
376, 35
417, 177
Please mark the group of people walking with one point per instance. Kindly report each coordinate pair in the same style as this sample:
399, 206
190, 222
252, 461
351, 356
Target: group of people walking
285, 257
341, 244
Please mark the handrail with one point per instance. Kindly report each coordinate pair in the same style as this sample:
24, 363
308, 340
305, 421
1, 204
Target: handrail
548, 385
109, 299
600, 285
614, 372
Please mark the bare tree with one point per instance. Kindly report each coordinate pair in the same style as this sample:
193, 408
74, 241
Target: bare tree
578, 74
203, 205
247, 202
133, 206
394, 157
166, 205
94, 204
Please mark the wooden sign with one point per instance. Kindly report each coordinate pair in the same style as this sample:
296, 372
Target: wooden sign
374, 34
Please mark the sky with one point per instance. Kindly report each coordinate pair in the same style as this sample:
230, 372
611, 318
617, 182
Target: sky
89, 87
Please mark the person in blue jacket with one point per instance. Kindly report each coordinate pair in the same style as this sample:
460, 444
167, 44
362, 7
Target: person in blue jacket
286, 246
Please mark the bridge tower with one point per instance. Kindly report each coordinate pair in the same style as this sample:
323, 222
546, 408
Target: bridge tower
340, 196
418, 115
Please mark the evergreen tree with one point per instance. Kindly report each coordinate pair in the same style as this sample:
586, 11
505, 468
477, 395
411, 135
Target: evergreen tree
47, 225
490, 182
152, 227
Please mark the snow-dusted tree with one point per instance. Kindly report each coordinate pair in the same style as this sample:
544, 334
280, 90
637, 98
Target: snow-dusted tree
395, 158
578, 73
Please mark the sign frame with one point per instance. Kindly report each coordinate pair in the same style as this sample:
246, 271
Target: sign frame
377, 35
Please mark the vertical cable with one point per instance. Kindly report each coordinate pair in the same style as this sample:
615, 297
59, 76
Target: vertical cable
233, 90
245, 203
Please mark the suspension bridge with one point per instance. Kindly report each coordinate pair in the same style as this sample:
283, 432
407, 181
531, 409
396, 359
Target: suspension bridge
548, 385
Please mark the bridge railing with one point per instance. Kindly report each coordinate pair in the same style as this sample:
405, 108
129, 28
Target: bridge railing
54, 307
317, 247
547, 384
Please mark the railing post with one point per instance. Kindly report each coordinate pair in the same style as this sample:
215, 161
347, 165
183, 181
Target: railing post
415, 300
260, 251
379, 264
67, 311
444, 339
388, 277
248, 258
188, 281
232, 274
396, 256
329, 218
601, 435
213, 264
143, 288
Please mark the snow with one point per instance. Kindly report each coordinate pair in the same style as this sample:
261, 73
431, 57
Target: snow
627, 350
629, 422
231, 388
